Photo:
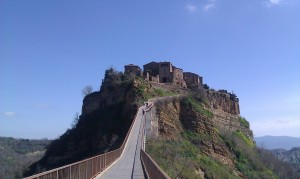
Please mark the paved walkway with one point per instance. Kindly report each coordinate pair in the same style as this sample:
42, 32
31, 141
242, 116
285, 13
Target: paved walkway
129, 164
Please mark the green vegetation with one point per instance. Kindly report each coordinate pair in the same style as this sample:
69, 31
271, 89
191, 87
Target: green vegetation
245, 139
145, 92
198, 106
195, 137
183, 159
161, 92
244, 122
114, 80
214, 169
281, 168
254, 162
18, 154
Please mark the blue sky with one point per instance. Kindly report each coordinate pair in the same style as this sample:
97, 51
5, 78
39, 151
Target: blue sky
50, 50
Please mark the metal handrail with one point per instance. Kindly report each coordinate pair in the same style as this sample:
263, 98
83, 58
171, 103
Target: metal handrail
87, 168
152, 169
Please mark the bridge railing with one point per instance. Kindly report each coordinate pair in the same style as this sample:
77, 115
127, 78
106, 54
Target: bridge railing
88, 168
153, 171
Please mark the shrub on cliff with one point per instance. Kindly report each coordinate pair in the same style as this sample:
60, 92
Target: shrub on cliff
197, 106
244, 122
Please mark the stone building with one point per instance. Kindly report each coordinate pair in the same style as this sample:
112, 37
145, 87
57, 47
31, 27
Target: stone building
151, 72
133, 69
164, 72
151, 68
192, 80
178, 77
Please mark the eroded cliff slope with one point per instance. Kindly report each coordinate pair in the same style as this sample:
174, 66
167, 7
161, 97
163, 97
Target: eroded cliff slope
202, 135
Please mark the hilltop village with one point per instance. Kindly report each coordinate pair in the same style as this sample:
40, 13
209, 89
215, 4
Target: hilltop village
162, 75
165, 72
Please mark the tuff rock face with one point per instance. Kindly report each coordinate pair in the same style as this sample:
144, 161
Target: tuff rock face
176, 116
224, 102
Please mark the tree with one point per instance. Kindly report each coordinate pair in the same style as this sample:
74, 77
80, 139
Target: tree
75, 121
87, 90
205, 86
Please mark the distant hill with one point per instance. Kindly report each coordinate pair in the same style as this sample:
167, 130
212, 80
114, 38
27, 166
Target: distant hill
277, 142
17, 154
291, 156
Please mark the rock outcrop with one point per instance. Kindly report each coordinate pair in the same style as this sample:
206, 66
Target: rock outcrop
106, 117
215, 112
223, 101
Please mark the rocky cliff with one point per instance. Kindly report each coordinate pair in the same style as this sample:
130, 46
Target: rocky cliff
216, 112
202, 135
106, 117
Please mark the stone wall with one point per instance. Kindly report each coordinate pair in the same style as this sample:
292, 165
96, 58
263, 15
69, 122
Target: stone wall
167, 73
152, 68
223, 101
133, 69
192, 80
154, 79
178, 77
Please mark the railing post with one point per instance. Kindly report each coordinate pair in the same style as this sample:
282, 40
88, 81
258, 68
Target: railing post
92, 167
86, 169
69, 172
56, 174
100, 162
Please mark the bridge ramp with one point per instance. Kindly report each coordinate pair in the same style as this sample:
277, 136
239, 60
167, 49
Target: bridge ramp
129, 164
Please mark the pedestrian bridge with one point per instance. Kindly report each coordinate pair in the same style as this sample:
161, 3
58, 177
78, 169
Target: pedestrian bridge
129, 161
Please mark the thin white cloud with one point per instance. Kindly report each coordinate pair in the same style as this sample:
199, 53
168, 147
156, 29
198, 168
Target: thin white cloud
9, 114
211, 4
190, 8
270, 3
275, 1
208, 7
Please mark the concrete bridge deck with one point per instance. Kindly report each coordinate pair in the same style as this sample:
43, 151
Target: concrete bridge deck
129, 164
